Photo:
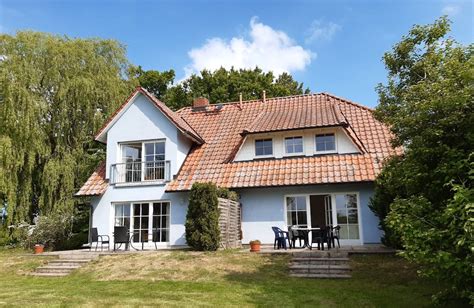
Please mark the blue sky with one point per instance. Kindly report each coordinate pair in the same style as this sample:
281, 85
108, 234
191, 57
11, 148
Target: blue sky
331, 46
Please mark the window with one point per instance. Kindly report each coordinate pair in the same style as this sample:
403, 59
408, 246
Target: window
154, 160
122, 215
142, 162
161, 220
293, 145
147, 221
325, 143
263, 147
296, 211
347, 215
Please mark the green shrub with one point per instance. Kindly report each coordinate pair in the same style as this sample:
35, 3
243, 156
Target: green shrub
202, 219
50, 231
225, 193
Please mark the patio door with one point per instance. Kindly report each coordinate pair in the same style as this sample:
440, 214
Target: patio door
346, 214
141, 213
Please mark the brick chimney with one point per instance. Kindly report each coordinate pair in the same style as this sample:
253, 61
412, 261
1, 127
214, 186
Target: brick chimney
200, 102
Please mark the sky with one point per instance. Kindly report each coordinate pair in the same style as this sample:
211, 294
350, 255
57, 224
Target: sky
330, 46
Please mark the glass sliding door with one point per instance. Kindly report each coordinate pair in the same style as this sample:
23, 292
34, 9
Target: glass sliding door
141, 212
132, 158
347, 216
161, 221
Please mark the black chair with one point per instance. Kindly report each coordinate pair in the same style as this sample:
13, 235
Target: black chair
335, 235
280, 238
320, 237
96, 238
121, 236
295, 235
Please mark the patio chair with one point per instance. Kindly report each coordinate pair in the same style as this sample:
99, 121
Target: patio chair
335, 235
121, 236
280, 238
96, 238
295, 235
320, 237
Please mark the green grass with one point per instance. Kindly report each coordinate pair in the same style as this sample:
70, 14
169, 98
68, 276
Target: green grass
225, 278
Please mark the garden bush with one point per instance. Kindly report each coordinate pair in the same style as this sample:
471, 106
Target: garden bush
202, 219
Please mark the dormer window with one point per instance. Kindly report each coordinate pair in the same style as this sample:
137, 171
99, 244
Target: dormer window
263, 147
325, 143
294, 145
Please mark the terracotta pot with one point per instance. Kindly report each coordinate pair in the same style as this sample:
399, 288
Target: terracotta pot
39, 248
254, 247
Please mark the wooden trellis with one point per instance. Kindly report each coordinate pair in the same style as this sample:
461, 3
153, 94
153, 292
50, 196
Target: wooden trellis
229, 223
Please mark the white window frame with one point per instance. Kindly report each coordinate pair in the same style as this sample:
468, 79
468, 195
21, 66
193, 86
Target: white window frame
325, 152
143, 142
150, 243
359, 241
294, 153
266, 155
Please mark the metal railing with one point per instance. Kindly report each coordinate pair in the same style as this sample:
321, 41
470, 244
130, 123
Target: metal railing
133, 172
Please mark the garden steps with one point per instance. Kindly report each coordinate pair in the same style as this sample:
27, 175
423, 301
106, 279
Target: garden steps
65, 264
320, 265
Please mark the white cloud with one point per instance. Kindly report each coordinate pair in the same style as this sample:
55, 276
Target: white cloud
321, 31
267, 48
450, 9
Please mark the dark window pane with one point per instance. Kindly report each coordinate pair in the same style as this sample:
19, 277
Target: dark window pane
156, 208
165, 208
298, 148
144, 236
136, 209
144, 223
259, 151
294, 221
145, 209
164, 235
164, 221
160, 148
301, 218
126, 222
149, 149
156, 222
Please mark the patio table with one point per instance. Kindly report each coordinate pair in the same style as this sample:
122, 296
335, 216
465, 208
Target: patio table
306, 235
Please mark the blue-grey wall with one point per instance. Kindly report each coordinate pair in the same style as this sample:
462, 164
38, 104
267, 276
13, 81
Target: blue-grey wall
263, 208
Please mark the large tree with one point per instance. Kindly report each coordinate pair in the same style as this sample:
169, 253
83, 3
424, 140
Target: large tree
219, 86
425, 197
55, 92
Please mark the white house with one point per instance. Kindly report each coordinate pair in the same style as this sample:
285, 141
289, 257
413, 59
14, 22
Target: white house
301, 160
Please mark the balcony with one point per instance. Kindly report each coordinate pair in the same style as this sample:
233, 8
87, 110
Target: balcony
136, 172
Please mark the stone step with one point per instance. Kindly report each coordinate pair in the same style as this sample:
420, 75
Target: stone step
320, 271
319, 266
49, 274
320, 259
320, 255
79, 256
320, 276
60, 262
56, 269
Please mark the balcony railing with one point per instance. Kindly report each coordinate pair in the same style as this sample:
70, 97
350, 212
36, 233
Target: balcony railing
135, 172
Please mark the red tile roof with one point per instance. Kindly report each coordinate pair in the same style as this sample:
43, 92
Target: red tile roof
96, 184
172, 116
213, 161
222, 130
322, 114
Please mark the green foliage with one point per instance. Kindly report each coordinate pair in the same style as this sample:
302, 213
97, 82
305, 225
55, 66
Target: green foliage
55, 92
50, 231
225, 193
202, 218
219, 86
428, 104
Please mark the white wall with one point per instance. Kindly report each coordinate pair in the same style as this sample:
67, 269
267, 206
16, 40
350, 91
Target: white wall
263, 208
143, 121
343, 143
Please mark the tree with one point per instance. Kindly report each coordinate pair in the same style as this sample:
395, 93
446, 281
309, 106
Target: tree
426, 194
55, 92
157, 83
202, 218
219, 86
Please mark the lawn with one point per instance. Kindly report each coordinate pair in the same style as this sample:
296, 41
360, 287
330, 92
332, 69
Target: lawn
224, 278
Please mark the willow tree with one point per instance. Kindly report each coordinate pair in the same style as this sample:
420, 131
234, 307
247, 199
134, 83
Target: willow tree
54, 94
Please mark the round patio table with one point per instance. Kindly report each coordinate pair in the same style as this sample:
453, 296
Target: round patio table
306, 232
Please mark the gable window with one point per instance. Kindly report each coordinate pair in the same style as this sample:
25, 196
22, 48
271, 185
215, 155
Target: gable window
141, 161
326, 143
293, 145
263, 147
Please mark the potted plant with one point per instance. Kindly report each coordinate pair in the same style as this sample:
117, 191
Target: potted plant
39, 248
255, 246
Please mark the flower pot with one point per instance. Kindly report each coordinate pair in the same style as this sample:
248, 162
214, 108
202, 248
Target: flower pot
254, 247
39, 248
